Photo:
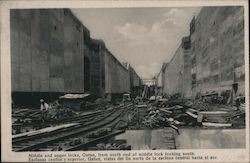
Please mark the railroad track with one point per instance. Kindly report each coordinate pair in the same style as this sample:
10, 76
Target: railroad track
93, 141
80, 118
66, 145
51, 140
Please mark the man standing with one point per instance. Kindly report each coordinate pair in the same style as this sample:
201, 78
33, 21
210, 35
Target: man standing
237, 102
44, 109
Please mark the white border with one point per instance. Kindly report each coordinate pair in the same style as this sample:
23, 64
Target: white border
224, 155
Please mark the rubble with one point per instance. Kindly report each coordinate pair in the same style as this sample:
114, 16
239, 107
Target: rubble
29, 118
155, 114
183, 113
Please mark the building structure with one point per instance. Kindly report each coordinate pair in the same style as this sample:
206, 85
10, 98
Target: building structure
217, 40
135, 80
52, 53
176, 78
160, 80
210, 61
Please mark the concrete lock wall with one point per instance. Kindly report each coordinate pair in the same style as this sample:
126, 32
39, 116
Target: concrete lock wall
176, 77
215, 60
46, 51
117, 79
116, 76
96, 68
48, 47
159, 83
135, 82
52, 53
73, 54
218, 50
161, 79
174, 73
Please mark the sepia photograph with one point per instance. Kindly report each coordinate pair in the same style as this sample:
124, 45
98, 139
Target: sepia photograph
128, 78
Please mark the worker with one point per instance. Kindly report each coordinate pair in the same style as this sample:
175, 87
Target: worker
237, 102
44, 109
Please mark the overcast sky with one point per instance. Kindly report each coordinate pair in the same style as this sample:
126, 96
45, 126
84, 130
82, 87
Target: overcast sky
144, 37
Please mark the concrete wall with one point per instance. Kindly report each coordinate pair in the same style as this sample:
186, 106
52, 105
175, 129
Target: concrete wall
187, 78
174, 73
116, 75
58, 50
21, 50
159, 83
159, 79
46, 51
73, 54
94, 49
215, 60
176, 77
135, 81
164, 78
218, 50
48, 47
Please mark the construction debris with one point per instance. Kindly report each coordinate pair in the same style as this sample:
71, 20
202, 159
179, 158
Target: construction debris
159, 114
30, 119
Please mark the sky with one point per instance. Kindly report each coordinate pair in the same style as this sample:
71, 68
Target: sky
144, 37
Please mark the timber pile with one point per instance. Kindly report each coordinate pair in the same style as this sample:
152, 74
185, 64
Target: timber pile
164, 117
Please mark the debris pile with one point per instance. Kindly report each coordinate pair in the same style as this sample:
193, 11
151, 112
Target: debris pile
59, 112
200, 105
64, 109
164, 117
29, 119
159, 113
